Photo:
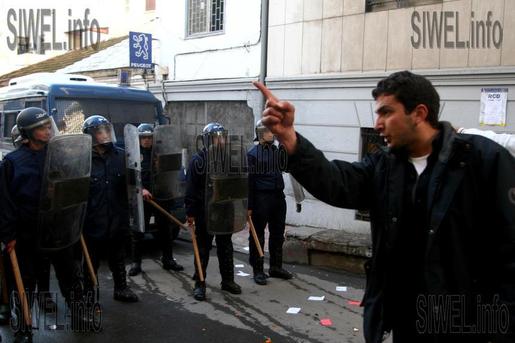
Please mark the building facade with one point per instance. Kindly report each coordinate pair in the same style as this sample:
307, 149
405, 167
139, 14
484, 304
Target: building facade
327, 55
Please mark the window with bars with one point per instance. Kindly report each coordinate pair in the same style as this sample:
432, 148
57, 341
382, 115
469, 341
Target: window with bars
205, 16
381, 5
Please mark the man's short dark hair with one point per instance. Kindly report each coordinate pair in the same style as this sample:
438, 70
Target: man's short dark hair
411, 90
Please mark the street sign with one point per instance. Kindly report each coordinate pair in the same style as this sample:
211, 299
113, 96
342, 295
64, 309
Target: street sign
140, 47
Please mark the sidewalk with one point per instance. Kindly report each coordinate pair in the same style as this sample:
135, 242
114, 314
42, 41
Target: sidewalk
318, 247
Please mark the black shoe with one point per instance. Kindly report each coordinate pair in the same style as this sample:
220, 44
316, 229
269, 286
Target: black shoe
199, 292
280, 273
135, 269
125, 295
260, 278
170, 264
231, 287
23, 337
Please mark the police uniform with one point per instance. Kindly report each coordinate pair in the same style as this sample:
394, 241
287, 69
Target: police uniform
20, 188
164, 234
194, 201
268, 206
106, 227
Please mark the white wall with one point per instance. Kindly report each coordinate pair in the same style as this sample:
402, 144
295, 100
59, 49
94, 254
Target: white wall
232, 54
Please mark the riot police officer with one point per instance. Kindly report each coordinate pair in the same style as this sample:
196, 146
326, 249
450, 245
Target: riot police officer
43, 277
267, 203
195, 210
164, 235
106, 227
20, 189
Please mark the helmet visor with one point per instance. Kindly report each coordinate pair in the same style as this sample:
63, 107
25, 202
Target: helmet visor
102, 134
43, 131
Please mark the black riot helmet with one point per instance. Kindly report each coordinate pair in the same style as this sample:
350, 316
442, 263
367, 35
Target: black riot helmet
145, 130
260, 130
212, 130
32, 118
100, 130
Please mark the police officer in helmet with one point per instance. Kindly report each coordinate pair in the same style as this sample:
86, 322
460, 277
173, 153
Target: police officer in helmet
195, 210
106, 228
20, 189
267, 203
164, 236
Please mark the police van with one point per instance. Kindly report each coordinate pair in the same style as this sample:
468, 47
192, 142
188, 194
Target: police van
71, 98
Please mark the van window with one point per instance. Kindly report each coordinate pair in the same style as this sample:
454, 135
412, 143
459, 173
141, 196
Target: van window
71, 113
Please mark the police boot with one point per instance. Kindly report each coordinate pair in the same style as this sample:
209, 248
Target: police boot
135, 269
169, 263
230, 286
276, 260
125, 295
199, 292
122, 292
280, 273
259, 275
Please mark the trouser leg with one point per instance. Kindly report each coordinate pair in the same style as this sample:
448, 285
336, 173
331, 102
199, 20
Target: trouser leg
68, 270
259, 219
276, 226
205, 243
116, 261
164, 234
224, 251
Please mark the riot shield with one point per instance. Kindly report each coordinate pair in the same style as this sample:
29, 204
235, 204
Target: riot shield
226, 186
64, 191
134, 185
168, 177
298, 193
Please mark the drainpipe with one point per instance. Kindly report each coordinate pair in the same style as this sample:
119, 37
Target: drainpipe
264, 39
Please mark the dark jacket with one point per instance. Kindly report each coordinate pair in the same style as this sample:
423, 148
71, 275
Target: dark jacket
470, 236
20, 191
146, 163
196, 185
266, 163
107, 214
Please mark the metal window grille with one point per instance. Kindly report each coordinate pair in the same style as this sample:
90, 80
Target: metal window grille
381, 5
205, 16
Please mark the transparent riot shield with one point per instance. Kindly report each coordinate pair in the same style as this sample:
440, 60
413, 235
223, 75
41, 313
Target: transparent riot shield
64, 191
226, 185
168, 177
134, 185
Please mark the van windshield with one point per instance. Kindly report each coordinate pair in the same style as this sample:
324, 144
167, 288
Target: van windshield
72, 112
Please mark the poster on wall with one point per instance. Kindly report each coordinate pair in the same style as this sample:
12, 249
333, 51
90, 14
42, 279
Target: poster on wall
493, 106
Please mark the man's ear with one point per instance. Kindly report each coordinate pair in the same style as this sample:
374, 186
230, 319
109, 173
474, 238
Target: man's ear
420, 113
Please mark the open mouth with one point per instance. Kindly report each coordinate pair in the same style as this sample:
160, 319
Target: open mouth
386, 139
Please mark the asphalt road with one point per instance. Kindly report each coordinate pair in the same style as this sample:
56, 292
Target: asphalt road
167, 311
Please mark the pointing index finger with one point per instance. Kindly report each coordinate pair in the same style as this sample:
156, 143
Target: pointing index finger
266, 92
